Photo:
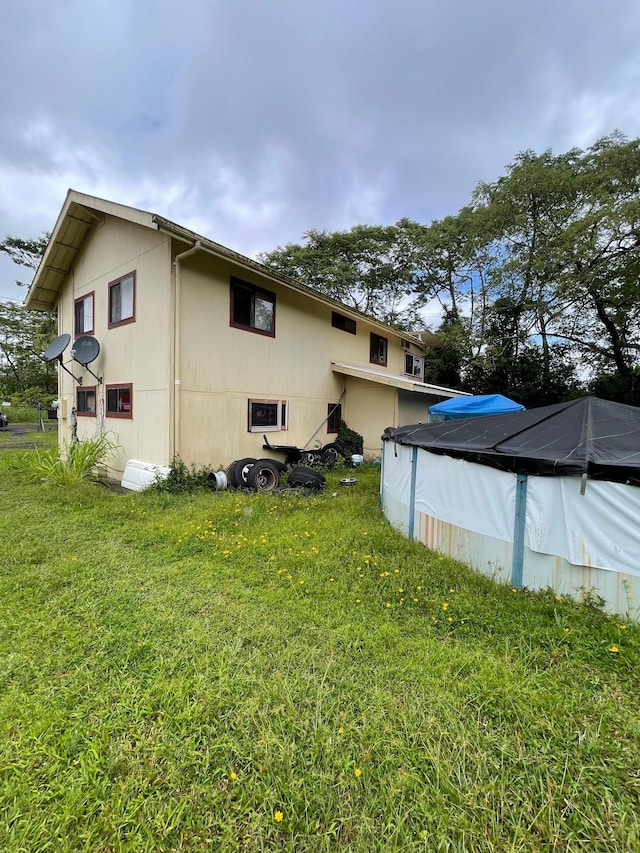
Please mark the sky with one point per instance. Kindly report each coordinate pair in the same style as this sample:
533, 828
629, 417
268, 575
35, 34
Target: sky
253, 121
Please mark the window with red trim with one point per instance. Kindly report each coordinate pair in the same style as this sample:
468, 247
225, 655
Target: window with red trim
378, 350
120, 401
122, 300
86, 401
83, 314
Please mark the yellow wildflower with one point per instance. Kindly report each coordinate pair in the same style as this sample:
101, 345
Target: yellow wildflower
278, 817
233, 776
357, 772
445, 606
614, 649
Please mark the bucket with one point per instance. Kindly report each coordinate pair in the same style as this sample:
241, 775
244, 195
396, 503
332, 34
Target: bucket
356, 460
219, 478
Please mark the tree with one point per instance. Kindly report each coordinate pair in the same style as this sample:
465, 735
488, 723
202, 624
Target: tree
23, 333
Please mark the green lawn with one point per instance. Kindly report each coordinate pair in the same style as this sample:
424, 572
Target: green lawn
229, 671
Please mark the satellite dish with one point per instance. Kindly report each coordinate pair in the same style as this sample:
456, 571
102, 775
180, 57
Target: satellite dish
56, 348
85, 350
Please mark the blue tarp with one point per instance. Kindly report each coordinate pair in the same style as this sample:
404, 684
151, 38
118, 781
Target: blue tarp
472, 407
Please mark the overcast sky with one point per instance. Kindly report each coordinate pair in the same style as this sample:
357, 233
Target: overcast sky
251, 121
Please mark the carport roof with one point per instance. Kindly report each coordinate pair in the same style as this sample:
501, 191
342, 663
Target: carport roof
395, 381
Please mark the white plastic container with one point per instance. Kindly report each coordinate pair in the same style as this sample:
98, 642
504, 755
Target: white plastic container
139, 475
356, 460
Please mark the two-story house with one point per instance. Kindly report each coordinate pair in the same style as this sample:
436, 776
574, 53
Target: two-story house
203, 350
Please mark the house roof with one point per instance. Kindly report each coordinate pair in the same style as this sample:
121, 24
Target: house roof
394, 380
585, 436
80, 212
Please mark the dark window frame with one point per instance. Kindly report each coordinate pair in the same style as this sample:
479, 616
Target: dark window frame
374, 343
334, 416
84, 389
410, 355
81, 299
254, 290
119, 386
282, 420
339, 321
113, 324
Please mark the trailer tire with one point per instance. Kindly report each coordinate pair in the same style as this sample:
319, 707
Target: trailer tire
307, 478
237, 472
263, 476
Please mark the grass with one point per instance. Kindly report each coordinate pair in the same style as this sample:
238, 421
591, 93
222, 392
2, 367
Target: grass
232, 671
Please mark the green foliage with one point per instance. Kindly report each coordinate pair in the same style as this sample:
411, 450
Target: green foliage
185, 478
350, 439
178, 669
80, 461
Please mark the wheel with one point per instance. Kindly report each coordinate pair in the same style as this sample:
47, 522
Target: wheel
331, 454
309, 458
237, 472
306, 477
263, 476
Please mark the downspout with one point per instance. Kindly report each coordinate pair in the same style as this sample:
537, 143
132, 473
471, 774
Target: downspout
174, 444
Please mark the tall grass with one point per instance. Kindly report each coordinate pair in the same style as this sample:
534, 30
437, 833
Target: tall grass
80, 460
227, 671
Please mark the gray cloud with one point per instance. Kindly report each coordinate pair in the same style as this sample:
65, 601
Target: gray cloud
254, 120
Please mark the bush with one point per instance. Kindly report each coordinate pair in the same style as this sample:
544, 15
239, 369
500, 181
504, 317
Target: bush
84, 460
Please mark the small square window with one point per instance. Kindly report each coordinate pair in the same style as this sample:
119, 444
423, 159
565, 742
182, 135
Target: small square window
83, 315
86, 401
345, 324
120, 401
122, 300
413, 365
252, 309
268, 415
334, 419
378, 350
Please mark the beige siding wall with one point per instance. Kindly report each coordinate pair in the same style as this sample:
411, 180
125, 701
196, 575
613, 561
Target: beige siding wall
138, 352
221, 368
413, 407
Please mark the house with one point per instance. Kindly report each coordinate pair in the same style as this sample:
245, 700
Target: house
203, 350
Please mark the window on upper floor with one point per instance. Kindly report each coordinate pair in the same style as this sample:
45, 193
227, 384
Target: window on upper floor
413, 365
334, 417
122, 300
268, 415
120, 401
86, 401
378, 350
252, 308
83, 314
345, 324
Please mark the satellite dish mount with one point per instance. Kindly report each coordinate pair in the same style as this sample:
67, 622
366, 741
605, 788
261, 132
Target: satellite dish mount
85, 350
54, 353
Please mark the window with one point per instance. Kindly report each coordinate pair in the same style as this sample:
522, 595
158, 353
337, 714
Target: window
346, 324
120, 401
252, 309
86, 401
334, 413
122, 300
413, 365
83, 315
378, 350
268, 415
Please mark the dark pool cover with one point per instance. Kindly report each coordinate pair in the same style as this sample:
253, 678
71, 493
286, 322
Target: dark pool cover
589, 435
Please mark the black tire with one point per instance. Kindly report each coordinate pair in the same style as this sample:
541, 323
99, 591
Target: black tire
263, 476
332, 454
307, 478
237, 472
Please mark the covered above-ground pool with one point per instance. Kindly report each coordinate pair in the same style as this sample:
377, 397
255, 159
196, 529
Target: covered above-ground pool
548, 497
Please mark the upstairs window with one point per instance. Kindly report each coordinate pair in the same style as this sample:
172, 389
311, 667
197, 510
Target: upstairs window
334, 419
83, 315
120, 401
268, 415
86, 401
122, 300
413, 365
378, 350
345, 324
252, 309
